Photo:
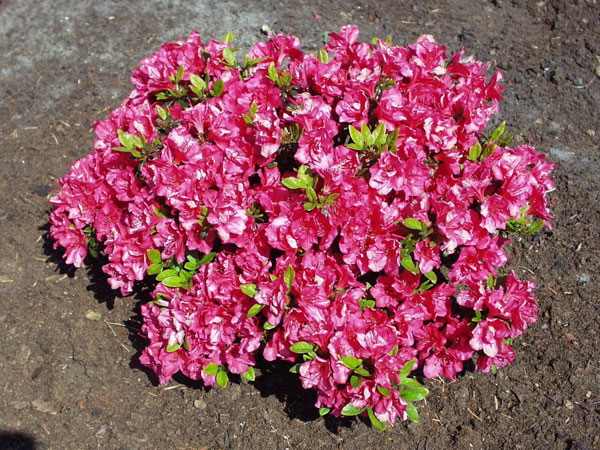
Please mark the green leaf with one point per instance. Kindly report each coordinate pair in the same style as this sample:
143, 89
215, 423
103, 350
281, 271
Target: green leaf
309, 206
311, 194
384, 391
294, 368
498, 131
253, 109
228, 37
535, 226
218, 88
229, 56
222, 378
308, 356
366, 303
323, 55
249, 374
475, 152
198, 84
179, 76
410, 383
93, 252
356, 137
158, 212
249, 289
490, 281
412, 413
431, 276
165, 274
380, 134
302, 347
267, 326
174, 282
272, 73
370, 139
162, 113
415, 394
254, 310
324, 411
375, 421
126, 139
289, 276
406, 368
154, 269
331, 198
186, 275
304, 174
247, 119
350, 410
211, 369
207, 258
425, 286
154, 255
393, 137
292, 183
355, 381
413, 224
362, 371
351, 362
409, 265
365, 132
173, 348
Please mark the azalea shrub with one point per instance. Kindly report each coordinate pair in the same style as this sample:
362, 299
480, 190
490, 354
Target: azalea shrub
345, 211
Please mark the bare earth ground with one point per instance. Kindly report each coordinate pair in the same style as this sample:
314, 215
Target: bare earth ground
70, 382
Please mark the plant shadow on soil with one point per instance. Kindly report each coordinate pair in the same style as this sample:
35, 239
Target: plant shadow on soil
273, 378
16, 441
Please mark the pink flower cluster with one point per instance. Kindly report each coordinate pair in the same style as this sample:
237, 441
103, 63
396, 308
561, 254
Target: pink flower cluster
342, 211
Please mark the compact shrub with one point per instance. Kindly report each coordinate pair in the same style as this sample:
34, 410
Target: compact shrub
343, 211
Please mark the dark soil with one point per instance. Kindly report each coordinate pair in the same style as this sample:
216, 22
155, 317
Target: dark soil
71, 382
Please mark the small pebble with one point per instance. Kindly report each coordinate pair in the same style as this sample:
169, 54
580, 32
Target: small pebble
569, 404
93, 315
583, 278
577, 81
266, 29
591, 132
597, 71
199, 404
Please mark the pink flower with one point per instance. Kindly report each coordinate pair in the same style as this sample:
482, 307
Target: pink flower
353, 108
427, 255
390, 109
505, 356
391, 173
169, 237
488, 336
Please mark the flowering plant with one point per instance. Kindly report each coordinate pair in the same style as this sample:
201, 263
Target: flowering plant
342, 211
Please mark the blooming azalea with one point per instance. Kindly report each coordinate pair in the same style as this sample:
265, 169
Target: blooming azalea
342, 211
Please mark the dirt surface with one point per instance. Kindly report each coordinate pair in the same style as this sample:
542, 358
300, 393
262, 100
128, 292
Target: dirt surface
69, 374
